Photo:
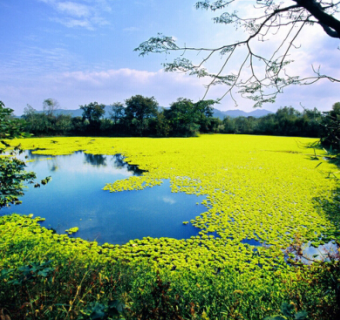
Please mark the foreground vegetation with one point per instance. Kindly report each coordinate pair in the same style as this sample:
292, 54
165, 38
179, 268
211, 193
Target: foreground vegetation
50, 276
274, 190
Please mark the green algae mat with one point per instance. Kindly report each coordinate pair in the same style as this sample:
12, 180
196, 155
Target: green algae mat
267, 189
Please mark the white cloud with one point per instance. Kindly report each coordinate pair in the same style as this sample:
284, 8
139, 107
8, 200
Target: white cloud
71, 23
33, 61
131, 29
78, 14
169, 200
92, 169
72, 89
74, 9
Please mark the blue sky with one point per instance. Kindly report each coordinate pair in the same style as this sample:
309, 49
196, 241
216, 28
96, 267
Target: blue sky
79, 51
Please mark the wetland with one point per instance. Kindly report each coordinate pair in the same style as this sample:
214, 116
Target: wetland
213, 215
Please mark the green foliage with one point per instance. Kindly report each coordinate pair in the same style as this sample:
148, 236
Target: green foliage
138, 112
12, 176
163, 126
10, 127
27, 273
186, 118
72, 230
12, 173
50, 106
43, 274
103, 311
289, 313
78, 126
117, 112
92, 112
285, 122
140, 116
157, 303
47, 123
331, 133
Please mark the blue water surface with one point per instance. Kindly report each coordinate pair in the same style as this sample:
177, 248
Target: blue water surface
74, 198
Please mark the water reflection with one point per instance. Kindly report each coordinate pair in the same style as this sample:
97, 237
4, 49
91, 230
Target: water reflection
74, 198
323, 252
95, 159
53, 166
119, 162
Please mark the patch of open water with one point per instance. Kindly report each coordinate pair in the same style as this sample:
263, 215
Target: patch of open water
74, 198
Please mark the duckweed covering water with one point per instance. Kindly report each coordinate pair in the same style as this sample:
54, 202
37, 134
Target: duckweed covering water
263, 188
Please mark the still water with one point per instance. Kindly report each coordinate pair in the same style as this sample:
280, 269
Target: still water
74, 198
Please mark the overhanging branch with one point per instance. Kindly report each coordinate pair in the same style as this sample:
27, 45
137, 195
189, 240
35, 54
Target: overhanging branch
330, 24
264, 85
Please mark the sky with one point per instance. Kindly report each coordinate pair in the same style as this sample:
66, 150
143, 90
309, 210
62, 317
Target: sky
80, 51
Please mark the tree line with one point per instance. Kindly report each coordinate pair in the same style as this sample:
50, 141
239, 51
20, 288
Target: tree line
141, 116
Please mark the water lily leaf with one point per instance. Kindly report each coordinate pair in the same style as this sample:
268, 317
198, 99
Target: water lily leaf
287, 309
302, 315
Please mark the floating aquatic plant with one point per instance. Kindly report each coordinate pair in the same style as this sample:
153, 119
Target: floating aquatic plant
262, 188
72, 230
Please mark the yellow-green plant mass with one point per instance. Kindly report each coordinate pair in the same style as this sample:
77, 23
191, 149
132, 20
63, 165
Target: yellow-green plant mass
257, 187
72, 230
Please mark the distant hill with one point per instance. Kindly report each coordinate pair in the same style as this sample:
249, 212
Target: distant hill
72, 113
216, 113
239, 113
75, 113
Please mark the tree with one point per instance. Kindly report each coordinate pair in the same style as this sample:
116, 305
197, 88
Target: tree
50, 106
93, 112
117, 112
286, 119
258, 77
38, 123
78, 125
10, 127
162, 125
139, 110
63, 123
186, 117
29, 111
331, 134
204, 113
12, 173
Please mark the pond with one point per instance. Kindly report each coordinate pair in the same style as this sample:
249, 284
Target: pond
74, 198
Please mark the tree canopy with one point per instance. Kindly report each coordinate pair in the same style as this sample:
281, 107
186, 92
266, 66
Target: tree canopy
50, 106
10, 127
259, 77
188, 118
139, 109
12, 170
331, 136
93, 111
117, 112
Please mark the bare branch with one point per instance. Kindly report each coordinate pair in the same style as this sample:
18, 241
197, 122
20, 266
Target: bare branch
259, 87
330, 24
